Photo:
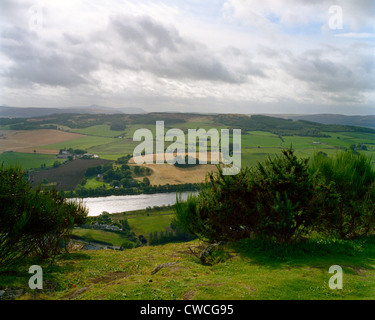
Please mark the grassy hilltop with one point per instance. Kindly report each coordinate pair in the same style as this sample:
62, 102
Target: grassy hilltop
236, 272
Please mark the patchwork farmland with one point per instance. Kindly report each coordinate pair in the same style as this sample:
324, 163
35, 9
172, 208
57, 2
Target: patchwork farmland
261, 136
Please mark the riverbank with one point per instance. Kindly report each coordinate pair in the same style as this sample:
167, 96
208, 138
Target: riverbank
106, 192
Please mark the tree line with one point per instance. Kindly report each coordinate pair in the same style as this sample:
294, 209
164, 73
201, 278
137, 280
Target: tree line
140, 189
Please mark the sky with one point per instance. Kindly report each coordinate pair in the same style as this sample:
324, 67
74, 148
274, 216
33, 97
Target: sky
208, 56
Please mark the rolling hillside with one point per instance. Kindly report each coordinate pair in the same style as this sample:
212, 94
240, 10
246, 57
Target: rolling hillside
359, 121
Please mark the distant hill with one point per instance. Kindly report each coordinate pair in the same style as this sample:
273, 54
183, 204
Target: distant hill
14, 112
286, 126
358, 121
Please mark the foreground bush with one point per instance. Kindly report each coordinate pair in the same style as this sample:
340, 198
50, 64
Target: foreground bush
127, 245
277, 200
284, 199
224, 209
352, 179
32, 221
313, 247
289, 199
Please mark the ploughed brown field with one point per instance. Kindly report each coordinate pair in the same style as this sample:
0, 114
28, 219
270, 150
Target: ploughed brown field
67, 176
28, 141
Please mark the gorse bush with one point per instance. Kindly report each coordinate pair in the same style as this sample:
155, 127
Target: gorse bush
224, 208
32, 221
275, 200
352, 179
284, 199
127, 245
168, 236
288, 198
313, 247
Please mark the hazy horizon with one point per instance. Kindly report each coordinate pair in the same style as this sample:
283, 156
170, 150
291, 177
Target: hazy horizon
217, 56
193, 112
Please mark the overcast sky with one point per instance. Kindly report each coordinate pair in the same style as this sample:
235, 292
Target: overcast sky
238, 56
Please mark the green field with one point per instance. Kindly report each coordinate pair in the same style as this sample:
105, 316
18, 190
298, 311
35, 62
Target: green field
361, 137
143, 222
101, 140
115, 149
256, 145
112, 238
254, 139
27, 160
93, 183
83, 143
145, 225
99, 131
206, 125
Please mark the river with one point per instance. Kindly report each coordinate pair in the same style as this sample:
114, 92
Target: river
117, 204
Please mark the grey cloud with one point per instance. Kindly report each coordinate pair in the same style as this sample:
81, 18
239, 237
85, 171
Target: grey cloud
128, 43
346, 78
146, 33
151, 46
46, 63
268, 52
72, 39
13, 10
52, 71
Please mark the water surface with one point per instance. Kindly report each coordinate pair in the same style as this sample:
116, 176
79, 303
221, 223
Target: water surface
116, 204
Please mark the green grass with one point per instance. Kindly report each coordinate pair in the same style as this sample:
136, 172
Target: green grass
131, 129
263, 139
100, 131
250, 157
83, 143
144, 225
255, 144
252, 271
104, 144
93, 183
27, 160
338, 139
300, 142
100, 235
114, 149
360, 137
143, 222
206, 125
